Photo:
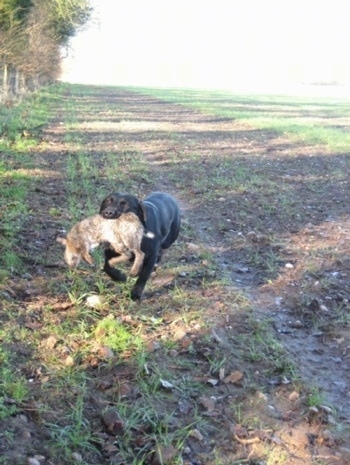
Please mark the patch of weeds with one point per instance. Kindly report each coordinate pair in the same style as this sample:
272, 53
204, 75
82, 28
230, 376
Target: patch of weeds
266, 259
54, 211
116, 336
74, 433
276, 457
254, 353
77, 285
216, 363
264, 348
315, 397
11, 261
157, 438
342, 314
277, 357
13, 389
14, 207
71, 168
21, 124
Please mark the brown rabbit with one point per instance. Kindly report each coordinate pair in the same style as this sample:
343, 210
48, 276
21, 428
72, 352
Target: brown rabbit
123, 235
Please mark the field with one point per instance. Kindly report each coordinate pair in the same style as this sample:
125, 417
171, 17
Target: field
239, 352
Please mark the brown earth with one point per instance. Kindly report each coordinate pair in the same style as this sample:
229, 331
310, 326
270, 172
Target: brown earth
282, 247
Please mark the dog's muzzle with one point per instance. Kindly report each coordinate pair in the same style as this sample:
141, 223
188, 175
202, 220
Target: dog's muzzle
110, 213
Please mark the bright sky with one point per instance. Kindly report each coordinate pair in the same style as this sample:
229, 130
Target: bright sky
221, 43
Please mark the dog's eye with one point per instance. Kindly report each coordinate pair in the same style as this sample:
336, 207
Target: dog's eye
122, 203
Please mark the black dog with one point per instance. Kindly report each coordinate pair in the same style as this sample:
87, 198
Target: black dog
160, 214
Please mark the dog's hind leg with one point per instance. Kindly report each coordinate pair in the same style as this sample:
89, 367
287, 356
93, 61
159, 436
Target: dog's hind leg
173, 233
113, 273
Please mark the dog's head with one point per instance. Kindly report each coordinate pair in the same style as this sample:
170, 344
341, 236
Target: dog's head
118, 203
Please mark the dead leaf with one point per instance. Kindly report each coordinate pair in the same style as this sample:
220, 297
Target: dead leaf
113, 422
193, 247
212, 381
100, 332
185, 406
109, 448
216, 337
234, 377
95, 301
32, 461
32, 324
164, 454
166, 384
105, 352
185, 342
76, 457
49, 343
124, 390
219, 305
327, 438
239, 430
104, 384
60, 306
276, 439
293, 396
152, 346
94, 362
194, 433
208, 403
69, 361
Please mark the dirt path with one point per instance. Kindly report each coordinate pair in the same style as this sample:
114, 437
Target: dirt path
165, 134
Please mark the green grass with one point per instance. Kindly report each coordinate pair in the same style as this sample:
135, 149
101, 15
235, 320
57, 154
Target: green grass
13, 389
14, 189
20, 124
74, 432
116, 336
303, 119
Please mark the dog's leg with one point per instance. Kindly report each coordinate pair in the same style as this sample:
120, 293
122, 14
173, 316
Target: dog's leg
113, 273
173, 233
148, 265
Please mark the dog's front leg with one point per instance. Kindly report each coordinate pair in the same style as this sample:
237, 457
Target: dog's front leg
113, 273
148, 265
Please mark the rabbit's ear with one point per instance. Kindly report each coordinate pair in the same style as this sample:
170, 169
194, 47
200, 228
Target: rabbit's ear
61, 240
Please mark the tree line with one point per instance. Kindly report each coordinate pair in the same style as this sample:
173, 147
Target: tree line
33, 34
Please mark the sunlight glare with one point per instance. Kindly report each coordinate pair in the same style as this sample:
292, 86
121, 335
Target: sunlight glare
221, 44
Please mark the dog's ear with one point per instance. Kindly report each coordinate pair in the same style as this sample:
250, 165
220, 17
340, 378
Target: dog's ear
143, 212
61, 240
110, 199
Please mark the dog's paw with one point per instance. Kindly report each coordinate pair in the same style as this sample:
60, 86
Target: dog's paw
136, 294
